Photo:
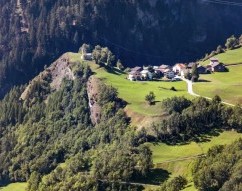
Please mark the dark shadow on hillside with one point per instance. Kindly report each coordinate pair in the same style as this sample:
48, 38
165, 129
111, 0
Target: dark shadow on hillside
198, 138
170, 89
155, 102
202, 80
155, 177
113, 70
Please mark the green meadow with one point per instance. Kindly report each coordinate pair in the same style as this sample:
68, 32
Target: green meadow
228, 57
163, 152
178, 159
134, 92
14, 187
228, 85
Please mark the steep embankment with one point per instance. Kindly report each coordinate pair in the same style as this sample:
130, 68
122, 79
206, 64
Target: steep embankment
93, 89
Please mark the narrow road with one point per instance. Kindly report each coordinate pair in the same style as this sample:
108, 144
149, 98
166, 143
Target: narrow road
191, 92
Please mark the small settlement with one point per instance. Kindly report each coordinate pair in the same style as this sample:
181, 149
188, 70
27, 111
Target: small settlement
170, 72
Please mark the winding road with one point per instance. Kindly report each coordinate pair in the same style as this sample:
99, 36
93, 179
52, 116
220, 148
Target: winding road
191, 92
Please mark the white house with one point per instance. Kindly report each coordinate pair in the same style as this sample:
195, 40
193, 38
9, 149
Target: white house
214, 61
86, 56
134, 75
178, 68
146, 74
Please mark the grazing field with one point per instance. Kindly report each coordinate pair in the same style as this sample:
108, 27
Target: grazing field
14, 187
134, 92
163, 152
228, 85
178, 160
228, 57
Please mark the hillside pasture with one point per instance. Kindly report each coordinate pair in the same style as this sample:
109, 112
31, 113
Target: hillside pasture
14, 187
228, 85
229, 57
134, 92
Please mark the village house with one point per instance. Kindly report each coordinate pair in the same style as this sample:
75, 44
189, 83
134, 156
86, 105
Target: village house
213, 61
216, 66
190, 65
201, 69
178, 68
86, 56
170, 74
137, 68
146, 74
134, 75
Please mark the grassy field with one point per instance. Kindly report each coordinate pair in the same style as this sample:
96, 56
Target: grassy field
165, 156
229, 57
163, 152
227, 85
14, 187
134, 92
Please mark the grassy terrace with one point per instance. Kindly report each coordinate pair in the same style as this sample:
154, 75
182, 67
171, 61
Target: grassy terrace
229, 57
134, 92
227, 85
167, 157
163, 152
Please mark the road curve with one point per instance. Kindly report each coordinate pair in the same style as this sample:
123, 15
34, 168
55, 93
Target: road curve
191, 92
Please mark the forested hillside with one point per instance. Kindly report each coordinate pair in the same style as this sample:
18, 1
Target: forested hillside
47, 137
221, 169
34, 32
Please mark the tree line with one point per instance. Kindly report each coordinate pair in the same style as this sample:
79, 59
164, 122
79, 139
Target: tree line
187, 120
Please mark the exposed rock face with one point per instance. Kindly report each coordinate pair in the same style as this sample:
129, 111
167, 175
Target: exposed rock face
57, 71
60, 70
92, 91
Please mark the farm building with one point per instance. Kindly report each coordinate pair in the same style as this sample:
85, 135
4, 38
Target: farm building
137, 68
178, 68
134, 75
146, 74
213, 61
218, 67
201, 69
86, 56
190, 65
170, 74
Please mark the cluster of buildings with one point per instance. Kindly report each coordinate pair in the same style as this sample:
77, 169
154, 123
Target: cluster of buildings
170, 72
149, 73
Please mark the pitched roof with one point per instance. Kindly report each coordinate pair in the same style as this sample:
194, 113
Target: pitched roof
163, 66
144, 71
200, 66
136, 68
134, 72
215, 64
190, 65
181, 65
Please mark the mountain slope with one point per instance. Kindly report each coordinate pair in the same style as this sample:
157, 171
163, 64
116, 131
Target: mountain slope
46, 130
33, 33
